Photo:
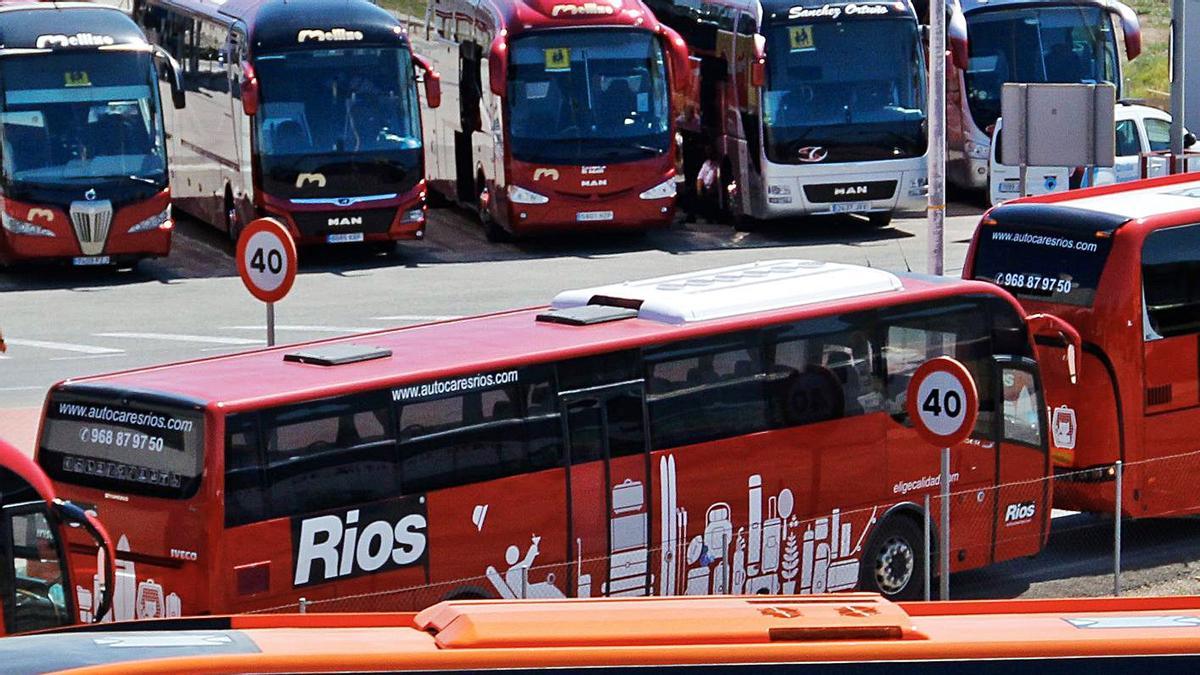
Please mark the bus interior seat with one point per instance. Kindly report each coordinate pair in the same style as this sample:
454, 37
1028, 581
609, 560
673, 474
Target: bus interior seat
503, 410
26, 147
618, 102
743, 368
288, 136
119, 135
842, 366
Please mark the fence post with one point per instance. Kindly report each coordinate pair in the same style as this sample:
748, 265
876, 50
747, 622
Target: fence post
304, 605
927, 561
1117, 531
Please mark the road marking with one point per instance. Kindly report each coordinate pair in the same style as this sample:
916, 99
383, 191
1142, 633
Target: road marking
177, 337
25, 388
84, 357
312, 329
414, 317
63, 346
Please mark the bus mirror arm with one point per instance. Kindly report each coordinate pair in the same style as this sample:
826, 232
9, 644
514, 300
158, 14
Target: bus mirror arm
680, 59
249, 90
71, 513
498, 64
174, 74
956, 36
432, 80
758, 67
1051, 326
1130, 27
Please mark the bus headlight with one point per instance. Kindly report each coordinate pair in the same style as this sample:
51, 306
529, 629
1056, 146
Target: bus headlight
17, 226
413, 215
663, 190
153, 222
519, 195
976, 150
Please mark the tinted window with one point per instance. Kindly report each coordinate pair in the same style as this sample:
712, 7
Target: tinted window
1127, 139
245, 496
818, 376
1158, 134
1022, 406
1039, 265
38, 571
1171, 281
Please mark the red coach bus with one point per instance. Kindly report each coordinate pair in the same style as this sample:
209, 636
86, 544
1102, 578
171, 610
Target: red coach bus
1122, 265
843, 634
641, 438
306, 112
84, 171
49, 575
567, 124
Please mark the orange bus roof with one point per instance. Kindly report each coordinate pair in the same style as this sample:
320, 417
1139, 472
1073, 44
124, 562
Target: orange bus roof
843, 628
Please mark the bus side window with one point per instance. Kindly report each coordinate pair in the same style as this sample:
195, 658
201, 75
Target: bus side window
817, 376
38, 599
1022, 421
1171, 282
245, 496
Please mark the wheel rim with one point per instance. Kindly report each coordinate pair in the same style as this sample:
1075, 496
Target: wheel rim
894, 565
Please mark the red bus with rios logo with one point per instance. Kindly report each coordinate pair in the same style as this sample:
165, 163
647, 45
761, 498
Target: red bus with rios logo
561, 116
84, 171
634, 439
304, 112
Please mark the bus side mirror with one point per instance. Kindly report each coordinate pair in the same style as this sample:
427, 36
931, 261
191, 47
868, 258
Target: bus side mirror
249, 90
432, 80
680, 64
74, 516
758, 67
956, 36
1053, 327
1130, 27
498, 65
174, 76
1189, 139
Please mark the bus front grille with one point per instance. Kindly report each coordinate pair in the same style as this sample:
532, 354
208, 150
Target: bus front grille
91, 221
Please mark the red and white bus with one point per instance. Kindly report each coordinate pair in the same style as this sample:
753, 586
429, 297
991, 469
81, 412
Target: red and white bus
738, 430
560, 113
84, 171
1026, 41
51, 575
306, 112
1121, 264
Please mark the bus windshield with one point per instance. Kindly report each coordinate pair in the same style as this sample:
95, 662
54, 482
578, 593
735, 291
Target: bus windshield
76, 118
348, 114
136, 447
584, 96
1038, 264
829, 96
1036, 44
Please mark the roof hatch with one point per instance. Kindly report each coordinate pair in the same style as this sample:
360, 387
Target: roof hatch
337, 354
732, 291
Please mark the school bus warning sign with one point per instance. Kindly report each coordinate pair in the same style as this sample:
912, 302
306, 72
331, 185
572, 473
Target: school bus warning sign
558, 58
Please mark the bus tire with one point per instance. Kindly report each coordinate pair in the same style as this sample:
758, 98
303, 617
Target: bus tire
891, 564
494, 232
233, 222
879, 219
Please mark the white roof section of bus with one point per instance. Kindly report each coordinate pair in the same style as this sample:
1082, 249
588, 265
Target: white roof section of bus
740, 289
1143, 203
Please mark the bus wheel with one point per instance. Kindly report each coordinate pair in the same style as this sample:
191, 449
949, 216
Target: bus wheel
729, 198
891, 564
880, 219
233, 222
494, 232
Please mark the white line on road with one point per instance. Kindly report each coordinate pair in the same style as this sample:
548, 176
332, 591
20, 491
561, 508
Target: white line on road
414, 317
63, 346
312, 329
27, 388
177, 337
84, 357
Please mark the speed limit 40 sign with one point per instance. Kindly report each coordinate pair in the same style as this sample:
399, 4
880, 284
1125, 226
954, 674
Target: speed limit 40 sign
266, 259
943, 401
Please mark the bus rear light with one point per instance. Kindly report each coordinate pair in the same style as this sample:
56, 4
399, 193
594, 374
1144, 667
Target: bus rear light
18, 226
153, 222
663, 190
519, 195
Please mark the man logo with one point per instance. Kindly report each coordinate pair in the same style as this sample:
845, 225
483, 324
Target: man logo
343, 221
812, 153
552, 174
306, 178
332, 35
850, 191
45, 214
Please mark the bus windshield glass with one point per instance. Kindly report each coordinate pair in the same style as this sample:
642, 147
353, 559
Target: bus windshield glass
828, 96
349, 115
79, 118
1041, 265
1036, 44
584, 96
123, 445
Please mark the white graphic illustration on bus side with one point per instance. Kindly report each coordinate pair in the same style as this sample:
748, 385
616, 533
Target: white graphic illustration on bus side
515, 582
1063, 427
131, 599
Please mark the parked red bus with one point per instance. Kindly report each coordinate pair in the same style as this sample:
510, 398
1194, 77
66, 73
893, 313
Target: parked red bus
634, 439
306, 112
1122, 265
49, 575
843, 634
561, 114
84, 171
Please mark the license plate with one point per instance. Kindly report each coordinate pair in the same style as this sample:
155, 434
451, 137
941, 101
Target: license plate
850, 207
583, 216
85, 260
344, 237
1010, 186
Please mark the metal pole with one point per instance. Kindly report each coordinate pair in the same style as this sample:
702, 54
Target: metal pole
928, 572
304, 605
1117, 531
937, 135
270, 324
944, 553
1178, 52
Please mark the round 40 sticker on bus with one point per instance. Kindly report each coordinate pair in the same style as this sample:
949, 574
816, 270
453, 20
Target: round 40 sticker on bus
266, 258
943, 402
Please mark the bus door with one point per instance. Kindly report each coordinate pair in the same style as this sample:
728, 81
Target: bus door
608, 489
1022, 500
33, 578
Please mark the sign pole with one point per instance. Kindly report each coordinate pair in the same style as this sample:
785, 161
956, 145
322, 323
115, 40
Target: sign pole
270, 324
937, 136
266, 258
944, 539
